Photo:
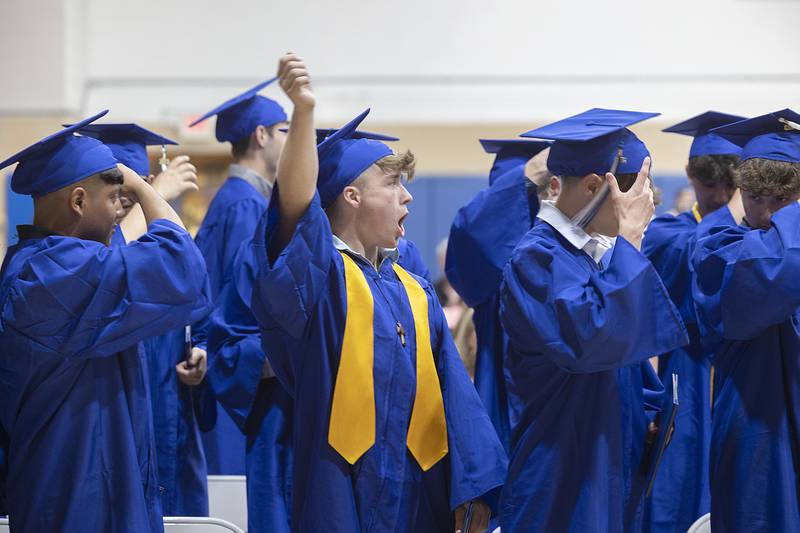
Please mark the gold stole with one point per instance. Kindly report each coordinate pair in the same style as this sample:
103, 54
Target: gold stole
351, 431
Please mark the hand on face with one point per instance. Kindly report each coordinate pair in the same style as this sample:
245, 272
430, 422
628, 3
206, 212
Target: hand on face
295, 81
179, 177
633, 209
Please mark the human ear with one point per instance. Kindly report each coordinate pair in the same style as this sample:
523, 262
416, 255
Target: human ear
592, 183
352, 196
77, 200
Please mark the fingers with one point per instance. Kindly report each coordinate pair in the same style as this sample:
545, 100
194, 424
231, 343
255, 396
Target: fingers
643, 178
613, 186
459, 518
197, 357
189, 375
179, 160
284, 61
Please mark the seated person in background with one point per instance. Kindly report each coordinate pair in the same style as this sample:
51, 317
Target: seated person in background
582, 319
394, 437
748, 304
76, 402
680, 493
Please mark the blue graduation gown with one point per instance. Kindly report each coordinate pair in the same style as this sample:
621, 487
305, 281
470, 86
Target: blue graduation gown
231, 219
182, 477
747, 293
681, 493
482, 237
261, 408
299, 300
182, 474
73, 379
580, 337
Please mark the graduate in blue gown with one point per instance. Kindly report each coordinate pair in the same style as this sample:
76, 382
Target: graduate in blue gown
73, 377
176, 391
252, 124
747, 298
482, 237
390, 433
681, 494
246, 387
583, 318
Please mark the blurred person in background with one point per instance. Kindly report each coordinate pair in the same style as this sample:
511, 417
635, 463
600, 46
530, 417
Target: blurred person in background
681, 493
482, 237
252, 124
747, 299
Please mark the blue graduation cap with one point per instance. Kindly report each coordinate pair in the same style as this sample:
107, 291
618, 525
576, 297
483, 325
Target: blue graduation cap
590, 142
241, 115
58, 160
510, 153
706, 143
128, 143
323, 133
343, 157
774, 136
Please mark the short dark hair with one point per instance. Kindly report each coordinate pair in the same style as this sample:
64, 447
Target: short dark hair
765, 177
112, 176
625, 180
239, 148
714, 169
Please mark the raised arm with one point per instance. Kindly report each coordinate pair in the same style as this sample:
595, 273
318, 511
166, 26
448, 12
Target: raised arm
298, 166
179, 178
154, 207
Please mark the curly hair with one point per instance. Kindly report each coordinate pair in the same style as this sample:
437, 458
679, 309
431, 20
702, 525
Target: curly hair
714, 169
765, 177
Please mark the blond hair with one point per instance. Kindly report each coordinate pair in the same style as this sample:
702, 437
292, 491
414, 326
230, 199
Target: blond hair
399, 163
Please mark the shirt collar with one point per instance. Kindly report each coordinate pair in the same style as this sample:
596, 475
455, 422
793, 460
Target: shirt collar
29, 231
595, 245
383, 253
260, 183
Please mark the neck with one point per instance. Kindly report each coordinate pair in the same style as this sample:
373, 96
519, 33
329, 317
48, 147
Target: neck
349, 234
571, 205
47, 220
259, 165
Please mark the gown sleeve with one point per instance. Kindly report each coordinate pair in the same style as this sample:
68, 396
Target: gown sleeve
100, 300
287, 288
746, 280
235, 356
584, 322
477, 460
485, 232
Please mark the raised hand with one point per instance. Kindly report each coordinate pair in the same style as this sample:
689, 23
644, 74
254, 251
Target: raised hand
633, 209
179, 177
295, 81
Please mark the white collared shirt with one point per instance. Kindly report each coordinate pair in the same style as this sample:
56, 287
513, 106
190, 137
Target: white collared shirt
595, 245
383, 253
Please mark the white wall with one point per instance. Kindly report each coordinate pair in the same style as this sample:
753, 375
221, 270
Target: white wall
413, 61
